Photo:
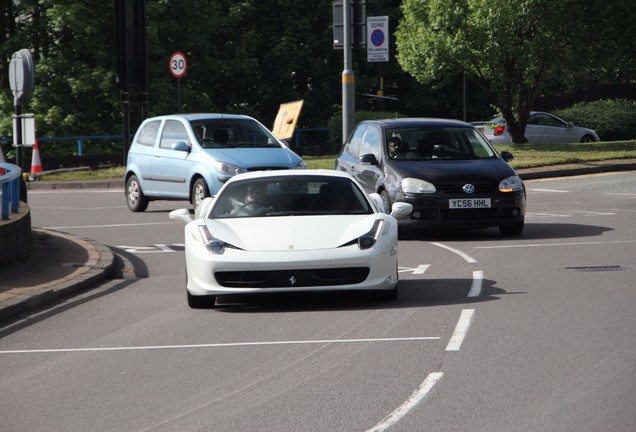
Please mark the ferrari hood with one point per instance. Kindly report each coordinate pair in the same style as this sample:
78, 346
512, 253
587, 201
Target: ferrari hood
285, 233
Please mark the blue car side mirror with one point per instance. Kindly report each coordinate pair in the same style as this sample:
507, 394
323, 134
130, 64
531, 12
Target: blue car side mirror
180, 146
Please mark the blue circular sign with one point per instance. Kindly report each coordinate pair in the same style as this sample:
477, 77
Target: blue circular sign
377, 37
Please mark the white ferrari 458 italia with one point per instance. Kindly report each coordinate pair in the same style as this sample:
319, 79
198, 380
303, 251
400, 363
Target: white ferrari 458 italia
296, 230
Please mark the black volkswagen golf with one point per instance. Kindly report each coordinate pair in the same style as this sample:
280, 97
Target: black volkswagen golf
446, 169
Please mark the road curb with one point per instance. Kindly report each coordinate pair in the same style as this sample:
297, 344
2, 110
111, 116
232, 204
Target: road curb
97, 268
91, 184
579, 168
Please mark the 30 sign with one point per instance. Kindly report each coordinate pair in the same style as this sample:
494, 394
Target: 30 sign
178, 64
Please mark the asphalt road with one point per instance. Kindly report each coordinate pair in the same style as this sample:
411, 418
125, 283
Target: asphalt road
492, 334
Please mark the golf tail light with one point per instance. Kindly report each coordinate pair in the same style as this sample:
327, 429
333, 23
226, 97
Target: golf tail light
499, 130
368, 240
213, 245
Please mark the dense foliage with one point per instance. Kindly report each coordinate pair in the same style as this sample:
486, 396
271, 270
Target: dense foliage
517, 49
244, 56
612, 120
249, 56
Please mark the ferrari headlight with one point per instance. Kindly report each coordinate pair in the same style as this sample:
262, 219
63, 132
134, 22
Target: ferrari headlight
212, 244
368, 240
413, 185
511, 184
227, 168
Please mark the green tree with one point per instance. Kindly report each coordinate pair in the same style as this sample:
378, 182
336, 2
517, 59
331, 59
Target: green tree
247, 56
510, 48
74, 80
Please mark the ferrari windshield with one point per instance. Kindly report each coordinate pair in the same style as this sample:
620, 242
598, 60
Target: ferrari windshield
290, 196
426, 143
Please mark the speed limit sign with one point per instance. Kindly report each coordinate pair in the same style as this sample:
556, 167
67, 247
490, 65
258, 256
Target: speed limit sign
178, 64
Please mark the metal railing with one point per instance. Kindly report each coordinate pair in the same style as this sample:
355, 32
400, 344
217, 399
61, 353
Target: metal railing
10, 181
79, 140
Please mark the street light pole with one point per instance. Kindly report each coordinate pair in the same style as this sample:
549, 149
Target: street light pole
348, 79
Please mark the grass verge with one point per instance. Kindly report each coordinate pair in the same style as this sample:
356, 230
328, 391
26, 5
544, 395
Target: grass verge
526, 156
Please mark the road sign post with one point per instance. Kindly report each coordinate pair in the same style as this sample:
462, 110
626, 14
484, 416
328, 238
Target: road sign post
178, 66
22, 82
378, 39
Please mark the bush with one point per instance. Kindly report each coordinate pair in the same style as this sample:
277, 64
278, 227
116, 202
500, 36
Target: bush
612, 119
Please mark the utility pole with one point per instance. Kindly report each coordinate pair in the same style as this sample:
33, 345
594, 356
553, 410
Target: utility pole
349, 31
348, 78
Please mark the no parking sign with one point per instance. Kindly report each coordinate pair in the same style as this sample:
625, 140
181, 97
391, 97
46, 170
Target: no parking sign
378, 39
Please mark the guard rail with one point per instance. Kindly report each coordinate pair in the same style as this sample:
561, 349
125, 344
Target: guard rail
10, 196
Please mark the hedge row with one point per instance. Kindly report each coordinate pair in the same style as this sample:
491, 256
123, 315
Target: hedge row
612, 119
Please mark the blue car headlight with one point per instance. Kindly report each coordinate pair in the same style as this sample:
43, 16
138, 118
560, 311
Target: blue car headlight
228, 168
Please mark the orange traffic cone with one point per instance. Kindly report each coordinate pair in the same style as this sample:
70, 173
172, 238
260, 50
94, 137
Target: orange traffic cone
36, 163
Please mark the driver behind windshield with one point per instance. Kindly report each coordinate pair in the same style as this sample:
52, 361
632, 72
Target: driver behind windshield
255, 202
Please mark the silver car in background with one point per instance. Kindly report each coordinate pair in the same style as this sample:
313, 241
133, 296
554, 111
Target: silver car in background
542, 128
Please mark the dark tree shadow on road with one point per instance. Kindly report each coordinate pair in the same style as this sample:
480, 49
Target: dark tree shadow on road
531, 231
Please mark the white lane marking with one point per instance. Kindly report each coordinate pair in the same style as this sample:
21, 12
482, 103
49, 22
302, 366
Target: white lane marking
621, 194
592, 213
478, 279
548, 190
419, 394
548, 214
465, 256
622, 210
583, 212
164, 248
461, 329
109, 226
420, 269
158, 248
555, 244
220, 345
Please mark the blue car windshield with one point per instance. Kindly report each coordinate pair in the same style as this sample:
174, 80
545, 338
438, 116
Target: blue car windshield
428, 143
232, 133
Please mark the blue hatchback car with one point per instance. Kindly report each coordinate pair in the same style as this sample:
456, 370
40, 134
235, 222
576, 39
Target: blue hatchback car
190, 156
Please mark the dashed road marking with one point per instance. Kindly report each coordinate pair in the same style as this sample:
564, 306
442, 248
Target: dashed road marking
419, 394
478, 279
464, 255
461, 330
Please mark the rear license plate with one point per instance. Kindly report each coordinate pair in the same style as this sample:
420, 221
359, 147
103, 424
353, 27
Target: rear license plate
469, 203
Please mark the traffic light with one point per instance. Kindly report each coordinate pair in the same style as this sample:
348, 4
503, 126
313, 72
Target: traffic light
358, 24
